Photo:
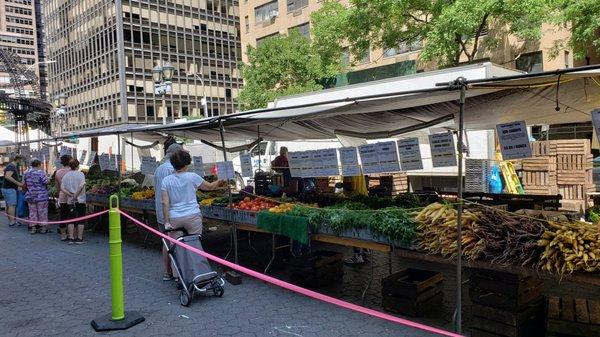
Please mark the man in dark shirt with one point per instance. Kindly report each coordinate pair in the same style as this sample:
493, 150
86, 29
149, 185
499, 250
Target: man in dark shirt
280, 164
12, 182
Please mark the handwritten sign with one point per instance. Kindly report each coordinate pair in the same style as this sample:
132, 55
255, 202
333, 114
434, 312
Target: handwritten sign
387, 153
104, 161
295, 164
225, 170
91, 158
330, 162
246, 163
443, 151
514, 140
82, 156
369, 158
349, 160
198, 166
410, 154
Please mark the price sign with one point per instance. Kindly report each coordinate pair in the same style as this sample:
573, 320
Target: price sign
514, 140
295, 164
148, 165
118, 162
104, 161
246, 163
225, 170
64, 151
349, 160
387, 153
443, 151
91, 158
306, 164
74, 153
316, 158
410, 154
369, 158
198, 167
112, 162
82, 156
330, 162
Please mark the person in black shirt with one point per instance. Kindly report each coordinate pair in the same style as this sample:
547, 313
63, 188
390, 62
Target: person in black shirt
12, 182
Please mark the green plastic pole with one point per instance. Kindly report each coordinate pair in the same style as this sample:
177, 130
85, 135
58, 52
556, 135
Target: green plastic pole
116, 260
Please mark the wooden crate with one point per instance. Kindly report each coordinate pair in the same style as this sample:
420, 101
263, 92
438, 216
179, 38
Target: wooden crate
395, 184
492, 322
542, 148
574, 162
539, 178
573, 317
541, 190
317, 269
572, 177
504, 290
574, 205
412, 291
542, 163
571, 146
573, 192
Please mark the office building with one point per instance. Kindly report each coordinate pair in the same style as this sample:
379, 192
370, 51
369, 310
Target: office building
21, 33
199, 38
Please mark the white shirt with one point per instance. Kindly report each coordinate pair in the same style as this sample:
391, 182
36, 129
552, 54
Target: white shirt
181, 188
72, 181
163, 171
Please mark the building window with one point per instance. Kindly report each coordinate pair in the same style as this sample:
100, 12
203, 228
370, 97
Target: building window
264, 38
293, 5
247, 23
365, 56
303, 29
345, 57
149, 111
266, 12
531, 63
403, 48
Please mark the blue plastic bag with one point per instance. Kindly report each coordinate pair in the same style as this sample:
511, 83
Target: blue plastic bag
495, 181
22, 209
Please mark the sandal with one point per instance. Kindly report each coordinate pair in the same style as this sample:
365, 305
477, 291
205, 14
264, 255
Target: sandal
32, 230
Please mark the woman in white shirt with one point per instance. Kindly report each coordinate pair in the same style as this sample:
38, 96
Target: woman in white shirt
178, 191
73, 186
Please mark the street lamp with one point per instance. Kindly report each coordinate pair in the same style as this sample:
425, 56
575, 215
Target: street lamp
60, 101
162, 77
204, 101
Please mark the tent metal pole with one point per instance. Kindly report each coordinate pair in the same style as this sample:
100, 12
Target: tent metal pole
119, 156
132, 149
259, 159
458, 320
234, 226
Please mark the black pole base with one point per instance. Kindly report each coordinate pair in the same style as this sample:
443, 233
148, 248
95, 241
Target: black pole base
105, 323
233, 277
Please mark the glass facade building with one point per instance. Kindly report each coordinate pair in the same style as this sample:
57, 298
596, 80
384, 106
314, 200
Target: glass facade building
199, 38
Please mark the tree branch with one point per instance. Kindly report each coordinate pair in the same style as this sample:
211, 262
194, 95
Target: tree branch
463, 47
416, 18
478, 34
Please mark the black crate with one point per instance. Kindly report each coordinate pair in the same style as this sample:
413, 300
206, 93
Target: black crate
412, 291
506, 291
317, 269
493, 322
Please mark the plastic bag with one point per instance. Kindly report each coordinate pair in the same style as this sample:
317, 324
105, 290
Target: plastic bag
494, 180
22, 209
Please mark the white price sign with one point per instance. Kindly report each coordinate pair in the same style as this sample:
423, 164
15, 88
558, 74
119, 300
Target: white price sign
330, 162
82, 156
295, 164
443, 151
198, 165
225, 170
369, 158
148, 165
246, 163
316, 158
306, 164
91, 158
104, 161
387, 153
410, 154
349, 160
514, 140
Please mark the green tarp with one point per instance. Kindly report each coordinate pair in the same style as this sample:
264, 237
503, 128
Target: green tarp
294, 227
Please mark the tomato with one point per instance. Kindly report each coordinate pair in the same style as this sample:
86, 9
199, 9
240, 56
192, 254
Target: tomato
255, 209
247, 199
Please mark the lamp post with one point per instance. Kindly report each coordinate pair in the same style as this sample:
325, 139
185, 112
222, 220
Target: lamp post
162, 77
60, 101
204, 101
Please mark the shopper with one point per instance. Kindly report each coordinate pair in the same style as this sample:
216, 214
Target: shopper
162, 171
37, 196
180, 206
63, 207
12, 182
73, 185
281, 164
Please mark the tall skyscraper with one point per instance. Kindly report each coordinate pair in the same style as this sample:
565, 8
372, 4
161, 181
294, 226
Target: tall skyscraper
199, 38
21, 33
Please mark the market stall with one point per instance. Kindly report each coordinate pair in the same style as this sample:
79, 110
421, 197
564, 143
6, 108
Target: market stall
482, 235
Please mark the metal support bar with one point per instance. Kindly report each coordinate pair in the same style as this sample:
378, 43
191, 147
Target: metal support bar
234, 226
458, 315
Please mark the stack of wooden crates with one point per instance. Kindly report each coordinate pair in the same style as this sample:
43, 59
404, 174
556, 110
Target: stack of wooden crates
560, 167
394, 184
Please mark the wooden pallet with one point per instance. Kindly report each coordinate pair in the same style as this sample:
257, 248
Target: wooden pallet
539, 178
396, 183
573, 317
541, 190
543, 163
574, 162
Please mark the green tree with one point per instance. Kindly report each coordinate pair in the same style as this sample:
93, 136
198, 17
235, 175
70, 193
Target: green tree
281, 66
451, 29
584, 18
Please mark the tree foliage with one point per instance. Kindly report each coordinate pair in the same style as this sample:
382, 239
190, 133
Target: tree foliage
284, 65
451, 28
584, 18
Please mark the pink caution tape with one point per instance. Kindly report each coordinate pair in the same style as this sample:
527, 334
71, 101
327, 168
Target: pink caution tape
61, 221
296, 288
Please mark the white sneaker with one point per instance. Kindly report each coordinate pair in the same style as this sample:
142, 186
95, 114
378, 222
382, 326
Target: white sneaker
355, 259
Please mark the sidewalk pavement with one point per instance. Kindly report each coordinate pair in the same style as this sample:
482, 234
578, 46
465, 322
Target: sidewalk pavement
49, 288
